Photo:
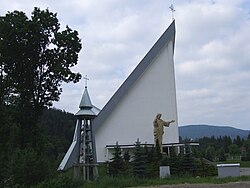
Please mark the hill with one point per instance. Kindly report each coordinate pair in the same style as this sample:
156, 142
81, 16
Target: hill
200, 131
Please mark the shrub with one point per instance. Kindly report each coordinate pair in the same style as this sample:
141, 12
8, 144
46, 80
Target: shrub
27, 167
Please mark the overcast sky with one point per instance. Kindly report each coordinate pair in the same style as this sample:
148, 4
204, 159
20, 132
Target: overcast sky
212, 51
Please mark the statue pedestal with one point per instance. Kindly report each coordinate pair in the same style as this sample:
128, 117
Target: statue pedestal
164, 171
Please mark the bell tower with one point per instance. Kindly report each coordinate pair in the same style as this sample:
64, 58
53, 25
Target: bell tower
82, 152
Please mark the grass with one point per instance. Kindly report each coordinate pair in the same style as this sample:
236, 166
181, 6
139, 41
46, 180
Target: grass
116, 182
133, 182
65, 180
243, 164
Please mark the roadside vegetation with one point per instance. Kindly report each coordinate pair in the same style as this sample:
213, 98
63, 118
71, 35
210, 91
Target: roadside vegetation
141, 168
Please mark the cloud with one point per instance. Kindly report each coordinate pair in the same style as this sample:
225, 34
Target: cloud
211, 53
212, 67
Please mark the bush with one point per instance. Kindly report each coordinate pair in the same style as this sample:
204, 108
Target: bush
117, 165
27, 167
61, 181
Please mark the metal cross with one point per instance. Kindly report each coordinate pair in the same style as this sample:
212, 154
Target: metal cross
172, 10
86, 80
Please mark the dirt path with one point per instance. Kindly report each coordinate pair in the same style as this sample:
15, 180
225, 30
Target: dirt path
226, 185
244, 184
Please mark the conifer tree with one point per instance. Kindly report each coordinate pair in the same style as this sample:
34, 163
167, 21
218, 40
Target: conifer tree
127, 166
188, 161
139, 161
148, 160
221, 155
117, 165
156, 160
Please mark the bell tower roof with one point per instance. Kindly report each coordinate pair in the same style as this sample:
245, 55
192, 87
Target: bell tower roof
87, 109
85, 102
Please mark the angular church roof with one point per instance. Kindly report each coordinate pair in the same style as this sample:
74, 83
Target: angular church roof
86, 107
166, 37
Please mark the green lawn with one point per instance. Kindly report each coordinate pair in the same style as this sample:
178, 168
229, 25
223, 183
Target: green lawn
133, 182
243, 164
65, 180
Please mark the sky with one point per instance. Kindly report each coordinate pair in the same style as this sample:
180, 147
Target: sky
212, 51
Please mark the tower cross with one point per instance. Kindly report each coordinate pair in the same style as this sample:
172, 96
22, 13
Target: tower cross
86, 80
172, 10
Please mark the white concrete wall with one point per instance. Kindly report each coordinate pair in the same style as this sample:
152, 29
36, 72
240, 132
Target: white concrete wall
133, 117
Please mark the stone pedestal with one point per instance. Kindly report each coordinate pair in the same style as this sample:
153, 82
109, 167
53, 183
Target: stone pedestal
164, 171
228, 170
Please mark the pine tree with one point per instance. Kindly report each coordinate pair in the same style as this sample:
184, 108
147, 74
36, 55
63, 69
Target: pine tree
221, 155
174, 162
188, 161
127, 167
139, 161
148, 161
117, 165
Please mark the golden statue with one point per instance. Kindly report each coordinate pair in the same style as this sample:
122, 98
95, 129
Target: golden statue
159, 129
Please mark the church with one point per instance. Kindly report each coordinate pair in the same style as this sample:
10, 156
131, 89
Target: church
129, 114
148, 90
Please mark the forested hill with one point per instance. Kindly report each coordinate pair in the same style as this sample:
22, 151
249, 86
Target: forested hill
58, 129
200, 131
58, 123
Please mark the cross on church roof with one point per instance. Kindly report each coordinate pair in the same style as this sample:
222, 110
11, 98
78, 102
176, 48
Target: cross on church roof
172, 10
86, 80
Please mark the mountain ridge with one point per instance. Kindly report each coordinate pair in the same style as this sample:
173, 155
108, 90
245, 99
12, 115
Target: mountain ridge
203, 130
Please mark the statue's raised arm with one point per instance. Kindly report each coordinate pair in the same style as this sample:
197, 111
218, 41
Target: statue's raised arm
167, 123
159, 129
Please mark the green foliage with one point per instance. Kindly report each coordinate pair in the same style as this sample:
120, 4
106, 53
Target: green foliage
222, 148
114, 182
234, 150
27, 167
36, 57
185, 164
139, 160
204, 168
188, 165
60, 181
238, 141
117, 164
221, 155
246, 154
210, 153
174, 162
153, 160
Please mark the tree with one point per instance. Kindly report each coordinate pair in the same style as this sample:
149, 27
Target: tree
188, 161
246, 154
227, 141
238, 141
221, 155
234, 150
210, 153
139, 160
117, 165
153, 160
36, 57
127, 169
27, 168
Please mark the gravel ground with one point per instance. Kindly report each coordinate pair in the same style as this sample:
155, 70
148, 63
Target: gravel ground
244, 184
226, 185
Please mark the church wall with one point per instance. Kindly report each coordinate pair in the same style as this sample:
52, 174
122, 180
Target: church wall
154, 92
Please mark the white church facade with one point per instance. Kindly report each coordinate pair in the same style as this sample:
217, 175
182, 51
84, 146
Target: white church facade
148, 90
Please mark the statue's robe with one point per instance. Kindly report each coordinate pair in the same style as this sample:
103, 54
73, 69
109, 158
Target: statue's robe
159, 130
